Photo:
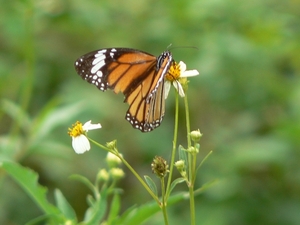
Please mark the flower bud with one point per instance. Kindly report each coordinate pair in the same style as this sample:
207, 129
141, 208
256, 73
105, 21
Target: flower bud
112, 160
192, 150
103, 175
112, 145
180, 165
196, 135
159, 166
117, 173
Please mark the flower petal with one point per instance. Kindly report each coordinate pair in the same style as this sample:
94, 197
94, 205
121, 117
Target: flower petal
189, 73
179, 88
167, 88
88, 126
80, 144
182, 66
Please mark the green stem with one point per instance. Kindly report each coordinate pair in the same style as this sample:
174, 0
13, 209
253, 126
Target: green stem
130, 168
140, 180
164, 203
174, 146
192, 205
187, 118
191, 163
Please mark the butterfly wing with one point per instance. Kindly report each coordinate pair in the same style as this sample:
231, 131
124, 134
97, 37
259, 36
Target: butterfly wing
138, 75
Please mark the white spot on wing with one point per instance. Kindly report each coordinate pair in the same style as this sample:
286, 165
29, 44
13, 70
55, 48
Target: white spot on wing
97, 66
101, 52
99, 73
98, 59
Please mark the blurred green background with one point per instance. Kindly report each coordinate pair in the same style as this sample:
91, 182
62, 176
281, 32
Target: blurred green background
246, 102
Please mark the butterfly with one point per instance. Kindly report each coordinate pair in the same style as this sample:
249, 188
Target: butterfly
139, 75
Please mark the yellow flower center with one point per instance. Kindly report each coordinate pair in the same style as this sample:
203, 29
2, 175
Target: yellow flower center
76, 129
174, 72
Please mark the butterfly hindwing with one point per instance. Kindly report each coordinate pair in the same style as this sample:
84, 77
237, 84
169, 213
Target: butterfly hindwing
137, 74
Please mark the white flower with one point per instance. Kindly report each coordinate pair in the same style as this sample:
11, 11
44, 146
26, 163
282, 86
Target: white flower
176, 73
80, 143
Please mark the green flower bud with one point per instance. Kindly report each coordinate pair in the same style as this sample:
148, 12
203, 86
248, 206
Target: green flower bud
112, 145
192, 150
117, 173
103, 175
196, 135
180, 165
112, 160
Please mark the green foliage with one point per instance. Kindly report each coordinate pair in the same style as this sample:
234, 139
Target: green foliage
64, 206
245, 101
28, 180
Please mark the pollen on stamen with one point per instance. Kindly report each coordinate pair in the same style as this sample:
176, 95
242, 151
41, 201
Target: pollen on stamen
174, 72
76, 129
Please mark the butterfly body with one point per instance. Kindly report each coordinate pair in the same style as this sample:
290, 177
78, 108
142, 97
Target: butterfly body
137, 74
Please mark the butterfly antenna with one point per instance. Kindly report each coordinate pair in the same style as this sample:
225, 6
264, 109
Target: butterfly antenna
193, 47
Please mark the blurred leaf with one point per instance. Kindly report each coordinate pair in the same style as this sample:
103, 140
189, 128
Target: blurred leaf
205, 186
27, 179
53, 116
64, 206
114, 209
40, 220
83, 180
137, 215
97, 211
203, 160
245, 99
16, 113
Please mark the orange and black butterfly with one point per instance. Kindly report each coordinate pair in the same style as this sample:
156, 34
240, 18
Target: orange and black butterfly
140, 76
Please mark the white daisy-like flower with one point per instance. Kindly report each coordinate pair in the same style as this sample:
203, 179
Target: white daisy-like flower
80, 143
177, 75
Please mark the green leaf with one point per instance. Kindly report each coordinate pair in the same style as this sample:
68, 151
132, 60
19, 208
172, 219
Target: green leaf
205, 186
39, 220
64, 206
137, 215
114, 208
96, 212
151, 184
27, 179
98, 204
174, 183
83, 180
125, 215
183, 155
51, 117
203, 160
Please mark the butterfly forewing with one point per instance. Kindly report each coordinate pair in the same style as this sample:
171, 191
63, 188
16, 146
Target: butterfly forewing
137, 74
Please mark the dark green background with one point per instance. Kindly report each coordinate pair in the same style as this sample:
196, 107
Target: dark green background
246, 101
